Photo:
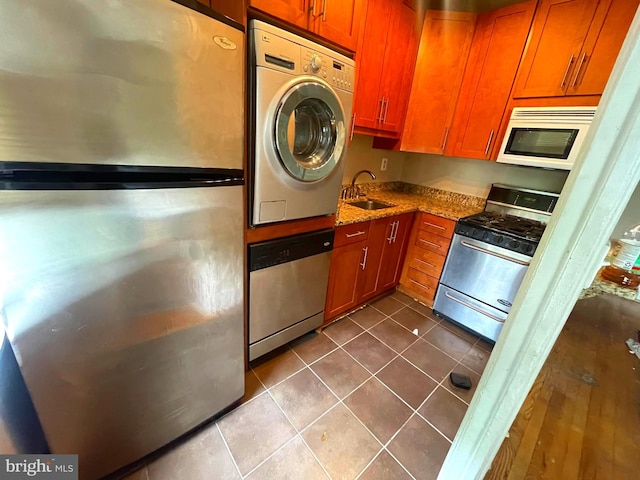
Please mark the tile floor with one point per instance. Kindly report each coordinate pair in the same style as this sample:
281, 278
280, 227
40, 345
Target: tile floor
368, 398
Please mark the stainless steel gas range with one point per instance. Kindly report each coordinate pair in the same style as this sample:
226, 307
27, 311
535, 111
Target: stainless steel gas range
489, 255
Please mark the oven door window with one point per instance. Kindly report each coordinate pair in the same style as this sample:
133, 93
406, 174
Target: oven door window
309, 131
541, 142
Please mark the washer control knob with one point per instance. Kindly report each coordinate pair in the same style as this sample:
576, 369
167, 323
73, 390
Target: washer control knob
316, 63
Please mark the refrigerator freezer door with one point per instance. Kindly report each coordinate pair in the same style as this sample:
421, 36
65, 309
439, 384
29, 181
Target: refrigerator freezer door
144, 82
125, 312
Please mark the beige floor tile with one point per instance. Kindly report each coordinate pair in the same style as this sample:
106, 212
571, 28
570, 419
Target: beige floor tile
370, 352
384, 467
341, 443
254, 431
275, 367
340, 372
408, 382
294, 461
393, 335
381, 411
303, 398
420, 448
429, 359
413, 321
444, 411
196, 457
312, 346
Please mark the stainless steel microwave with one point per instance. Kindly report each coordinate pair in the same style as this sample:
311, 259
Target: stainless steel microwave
547, 137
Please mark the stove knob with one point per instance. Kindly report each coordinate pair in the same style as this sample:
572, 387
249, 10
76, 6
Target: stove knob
514, 244
530, 249
485, 235
476, 233
499, 239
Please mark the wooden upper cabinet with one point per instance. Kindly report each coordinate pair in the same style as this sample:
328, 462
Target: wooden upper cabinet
292, 11
337, 20
369, 55
398, 65
442, 56
234, 9
496, 50
385, 60
601, 46
557, 35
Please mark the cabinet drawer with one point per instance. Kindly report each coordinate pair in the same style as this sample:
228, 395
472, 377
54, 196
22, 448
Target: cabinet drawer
422, 283
433, 243
438, 225
347, 234
427, 262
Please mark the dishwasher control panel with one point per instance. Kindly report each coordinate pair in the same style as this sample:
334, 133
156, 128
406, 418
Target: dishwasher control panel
282, 250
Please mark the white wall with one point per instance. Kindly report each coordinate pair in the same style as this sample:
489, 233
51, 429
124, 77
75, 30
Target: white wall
630, 216
474, 177
361, 156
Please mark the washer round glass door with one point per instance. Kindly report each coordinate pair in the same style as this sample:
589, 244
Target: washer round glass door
309, 131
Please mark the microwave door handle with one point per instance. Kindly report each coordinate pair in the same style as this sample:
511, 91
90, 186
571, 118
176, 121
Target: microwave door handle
495, 254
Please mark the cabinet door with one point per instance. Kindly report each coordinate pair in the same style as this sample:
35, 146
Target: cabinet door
398, 66
338, 21
346, 265
493, 61
379, 233
601, 47
393, 254
368, 102
558, 32
292, 11
442, 55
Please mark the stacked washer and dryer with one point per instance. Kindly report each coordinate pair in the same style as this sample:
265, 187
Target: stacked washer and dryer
300, 111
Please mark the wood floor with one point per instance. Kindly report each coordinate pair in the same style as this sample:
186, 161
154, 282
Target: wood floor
581, 419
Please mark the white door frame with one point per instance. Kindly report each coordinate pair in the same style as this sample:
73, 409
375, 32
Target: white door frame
597, 191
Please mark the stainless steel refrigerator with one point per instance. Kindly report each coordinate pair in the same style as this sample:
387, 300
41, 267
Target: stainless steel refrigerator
121, 219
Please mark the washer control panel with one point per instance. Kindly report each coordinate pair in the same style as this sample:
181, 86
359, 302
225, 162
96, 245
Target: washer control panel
337, 73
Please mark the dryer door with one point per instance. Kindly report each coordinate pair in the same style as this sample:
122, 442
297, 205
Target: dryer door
310, 131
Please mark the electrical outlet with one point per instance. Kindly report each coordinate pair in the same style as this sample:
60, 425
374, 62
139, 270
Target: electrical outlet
383, 166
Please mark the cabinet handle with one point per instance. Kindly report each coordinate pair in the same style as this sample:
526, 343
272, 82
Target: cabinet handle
364, 260
575, 79
418, 283
430, 243
566, 72
312, 7
324, 10
386, 109
434, 225
444, 141
349, 235
486, 150
353, 126
395, 234
426, 263
381, 102
390, 237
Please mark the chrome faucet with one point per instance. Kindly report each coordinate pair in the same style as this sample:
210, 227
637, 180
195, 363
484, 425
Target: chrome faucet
353, 190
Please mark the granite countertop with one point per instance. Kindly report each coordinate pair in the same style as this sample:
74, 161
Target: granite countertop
409, 198
600, 286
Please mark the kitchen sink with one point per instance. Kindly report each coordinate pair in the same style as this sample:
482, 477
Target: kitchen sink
371, 205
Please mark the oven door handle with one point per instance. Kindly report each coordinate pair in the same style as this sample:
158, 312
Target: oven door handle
495, 254
473, 307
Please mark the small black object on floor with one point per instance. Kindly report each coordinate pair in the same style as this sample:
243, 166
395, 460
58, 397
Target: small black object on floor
460, 381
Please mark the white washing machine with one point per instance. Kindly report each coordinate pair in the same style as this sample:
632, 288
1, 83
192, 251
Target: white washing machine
302, 94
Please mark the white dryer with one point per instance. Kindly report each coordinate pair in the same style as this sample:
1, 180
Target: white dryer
300, 116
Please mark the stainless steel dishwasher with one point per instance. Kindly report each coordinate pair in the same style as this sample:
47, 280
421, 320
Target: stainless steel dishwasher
287, 288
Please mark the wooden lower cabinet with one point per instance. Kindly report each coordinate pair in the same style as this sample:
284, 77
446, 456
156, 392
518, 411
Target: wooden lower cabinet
366, 261
426, 253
